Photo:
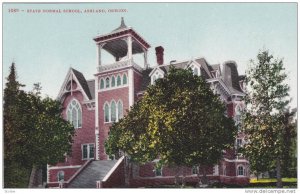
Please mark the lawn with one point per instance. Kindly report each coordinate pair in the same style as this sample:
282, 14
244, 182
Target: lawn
288, 180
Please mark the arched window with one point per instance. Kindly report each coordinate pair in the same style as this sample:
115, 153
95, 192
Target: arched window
195, 169
113, 81
74, 114
101, 84
124, 79
113, 111
60, 176
106, 113
107, 82
118, 80
241, 170
154, 79
120, 110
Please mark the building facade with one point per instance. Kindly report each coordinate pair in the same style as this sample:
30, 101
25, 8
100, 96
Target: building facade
93, 105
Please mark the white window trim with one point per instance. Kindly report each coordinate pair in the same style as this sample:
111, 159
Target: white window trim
110, 116
122, 79
99, 88
70, 102
109, 111
109, 121
57, 176
88, 151
111, 78
244, 170
197, 169
108, 82
156, 74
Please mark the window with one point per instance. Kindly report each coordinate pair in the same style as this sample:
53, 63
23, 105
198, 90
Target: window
241, 170
238, 113
124, 79
195, 70
107, 82
113, 82
158, 171
87, 151
101, 84
195, 169
120, 110
60, 176
74, 115
106, 113
113, 111
224, 170
118, 80
239, 143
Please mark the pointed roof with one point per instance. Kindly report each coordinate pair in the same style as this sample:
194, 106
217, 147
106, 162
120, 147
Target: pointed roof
122, 26
82, 82
87, 87
122, 31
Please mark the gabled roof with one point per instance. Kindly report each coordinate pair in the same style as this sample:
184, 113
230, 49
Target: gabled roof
82, 82
86, 87
91, 85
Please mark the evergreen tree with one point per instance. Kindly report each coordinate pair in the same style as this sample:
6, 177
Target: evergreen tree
265, 104
35, 134
179, 120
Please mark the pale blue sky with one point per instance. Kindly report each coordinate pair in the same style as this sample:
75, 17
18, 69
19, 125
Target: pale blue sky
44, 46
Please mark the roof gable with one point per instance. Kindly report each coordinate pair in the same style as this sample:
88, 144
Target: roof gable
81, 82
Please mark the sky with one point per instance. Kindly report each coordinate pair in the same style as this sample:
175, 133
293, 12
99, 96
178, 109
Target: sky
45, 45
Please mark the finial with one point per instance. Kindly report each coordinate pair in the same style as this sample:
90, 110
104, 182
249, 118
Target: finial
122, 22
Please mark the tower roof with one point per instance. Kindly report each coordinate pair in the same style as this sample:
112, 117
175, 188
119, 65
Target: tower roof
116, 44
122, 26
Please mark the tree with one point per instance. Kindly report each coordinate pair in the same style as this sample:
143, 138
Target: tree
35, 134
289, 163
179, 120
266, 101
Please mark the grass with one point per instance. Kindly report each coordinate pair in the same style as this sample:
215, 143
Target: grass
288, 180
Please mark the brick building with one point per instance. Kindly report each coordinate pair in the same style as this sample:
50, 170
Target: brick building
93, 105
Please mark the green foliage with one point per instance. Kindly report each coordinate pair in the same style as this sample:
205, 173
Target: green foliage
265, 104
179, 120
34, 131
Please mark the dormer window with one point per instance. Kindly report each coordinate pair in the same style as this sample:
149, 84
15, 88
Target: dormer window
195, 69
157, 75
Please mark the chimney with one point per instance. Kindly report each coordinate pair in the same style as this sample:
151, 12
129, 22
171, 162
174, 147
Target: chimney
159, 55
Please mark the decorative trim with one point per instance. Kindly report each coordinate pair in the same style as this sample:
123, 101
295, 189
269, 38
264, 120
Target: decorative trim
236, 160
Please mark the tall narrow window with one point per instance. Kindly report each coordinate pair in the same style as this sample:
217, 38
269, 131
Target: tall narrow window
124, 79
101, 84
113, 81
74, 114
118, 80
120, 110
196, 71
195, 170
106, 113
113, 111
60, 176
107, 83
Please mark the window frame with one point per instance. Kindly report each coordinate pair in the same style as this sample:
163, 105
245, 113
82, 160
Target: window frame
69, 112
58, 175
88, 146
106, 104
238, 170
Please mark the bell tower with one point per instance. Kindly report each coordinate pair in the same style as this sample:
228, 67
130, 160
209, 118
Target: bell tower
116, 82
122, 43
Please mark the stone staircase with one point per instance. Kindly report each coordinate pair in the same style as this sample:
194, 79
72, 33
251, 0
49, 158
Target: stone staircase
93, 172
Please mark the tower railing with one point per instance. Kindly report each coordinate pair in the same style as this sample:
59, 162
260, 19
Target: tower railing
119, 64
